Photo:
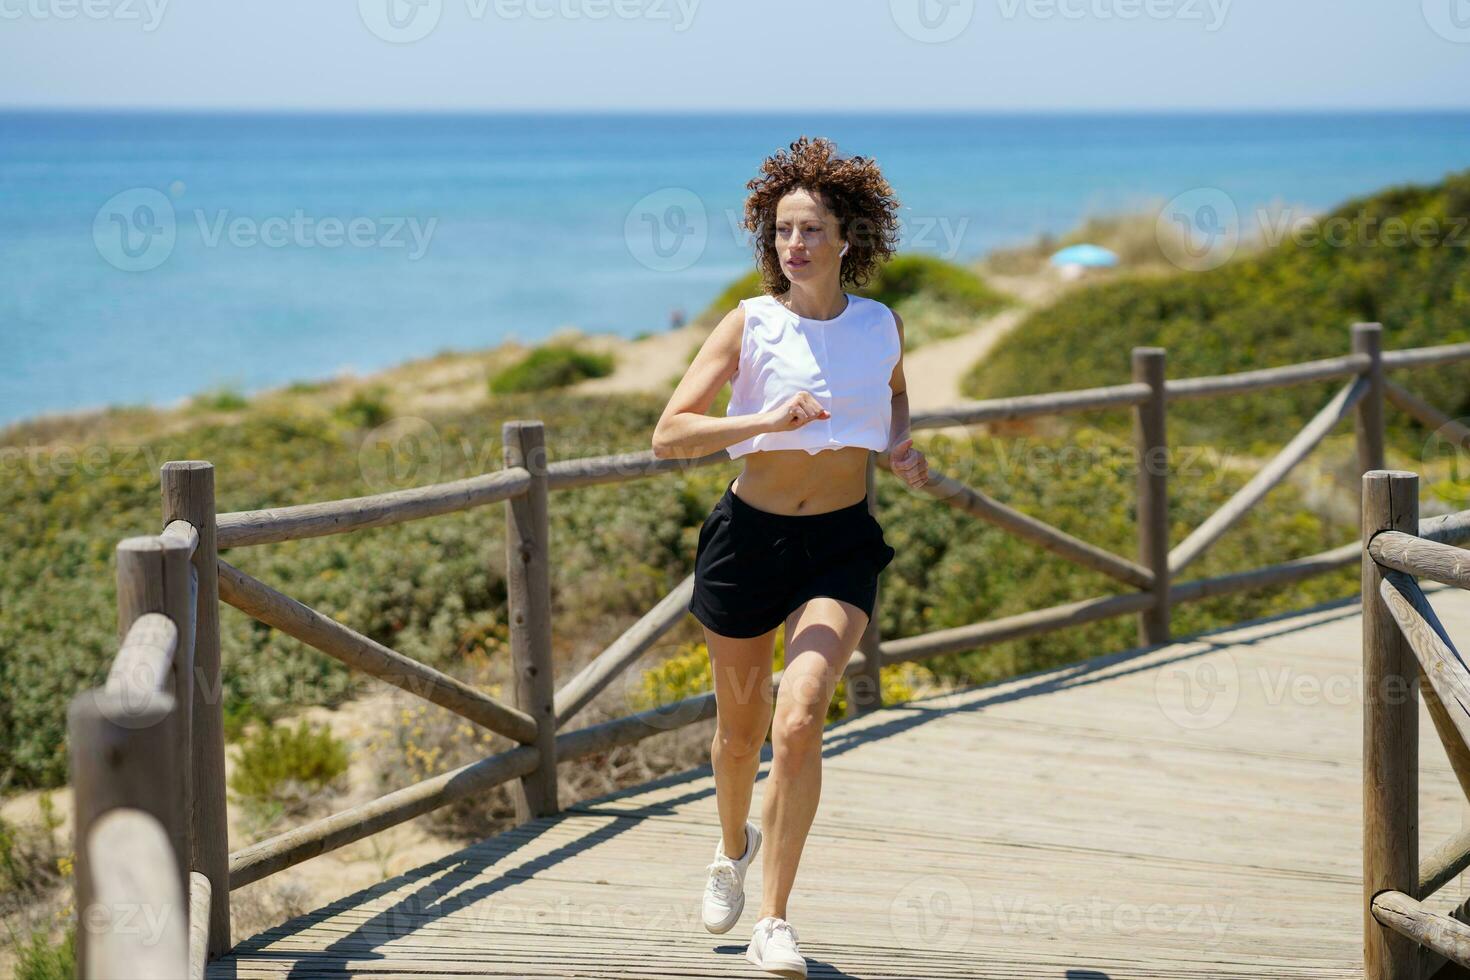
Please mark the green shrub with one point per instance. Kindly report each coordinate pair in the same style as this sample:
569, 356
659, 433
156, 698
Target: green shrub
551, 366
224, 398
907, 276
38, 959
903, 279
278, 764
1290, 303
366, 409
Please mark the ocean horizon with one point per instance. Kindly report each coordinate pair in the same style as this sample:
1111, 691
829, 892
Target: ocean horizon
147, 256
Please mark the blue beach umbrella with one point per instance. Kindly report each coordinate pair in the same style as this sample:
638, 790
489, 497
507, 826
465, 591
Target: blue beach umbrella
1086, 255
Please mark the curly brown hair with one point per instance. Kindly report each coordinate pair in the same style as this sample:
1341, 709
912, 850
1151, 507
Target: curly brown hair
852, 188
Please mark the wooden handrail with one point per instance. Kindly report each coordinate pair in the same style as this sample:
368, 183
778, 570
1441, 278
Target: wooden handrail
1306, 372
1418, 923
1444, 865
1424, 559
1268, 476
1420, 357
968, 500
1404, 640
175, 580
623, 652
375, 510
258, 600
1428, 414
137, 919
143, 665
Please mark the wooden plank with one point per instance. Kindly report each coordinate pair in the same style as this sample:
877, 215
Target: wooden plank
1078, 818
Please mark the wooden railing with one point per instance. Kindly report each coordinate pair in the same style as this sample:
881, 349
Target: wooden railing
1406, 652
541, 709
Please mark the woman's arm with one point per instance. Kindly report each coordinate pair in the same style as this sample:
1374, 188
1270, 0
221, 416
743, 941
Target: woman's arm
685, 431
907, 461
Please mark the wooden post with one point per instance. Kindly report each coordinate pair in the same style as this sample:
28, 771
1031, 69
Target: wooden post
141, 588
865, 687
1151, 446
121, 754
1368, 416
528, 589
1390, 736
188, 495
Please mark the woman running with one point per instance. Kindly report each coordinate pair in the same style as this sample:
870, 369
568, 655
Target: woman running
816, 384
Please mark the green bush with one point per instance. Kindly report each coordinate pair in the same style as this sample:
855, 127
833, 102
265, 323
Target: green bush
278, 764
420, 587
38, 959
907, 276
903, 279
366, 409
1290, 303
551, 366
225, 398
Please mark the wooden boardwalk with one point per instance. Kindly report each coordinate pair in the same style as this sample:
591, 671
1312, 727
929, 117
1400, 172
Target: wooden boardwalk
1193, 810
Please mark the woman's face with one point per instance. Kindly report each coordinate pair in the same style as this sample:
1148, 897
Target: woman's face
808, 237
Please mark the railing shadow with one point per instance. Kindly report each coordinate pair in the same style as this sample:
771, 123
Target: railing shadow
458, 881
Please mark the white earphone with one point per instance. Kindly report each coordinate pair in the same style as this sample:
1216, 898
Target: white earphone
844, 250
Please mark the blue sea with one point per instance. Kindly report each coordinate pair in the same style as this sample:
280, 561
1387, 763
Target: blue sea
145, 257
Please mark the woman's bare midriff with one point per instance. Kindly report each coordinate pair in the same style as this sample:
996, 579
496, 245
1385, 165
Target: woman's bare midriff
794, 481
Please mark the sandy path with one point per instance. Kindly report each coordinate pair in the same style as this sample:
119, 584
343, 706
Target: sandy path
651, 364
934, 371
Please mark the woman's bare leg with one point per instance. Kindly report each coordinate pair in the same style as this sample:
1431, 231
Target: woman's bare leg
742, 674
821, 636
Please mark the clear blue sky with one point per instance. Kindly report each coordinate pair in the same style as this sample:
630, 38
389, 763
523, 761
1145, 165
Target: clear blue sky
736, 54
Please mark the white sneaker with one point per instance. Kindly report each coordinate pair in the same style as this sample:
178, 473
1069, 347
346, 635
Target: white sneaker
724, 889
773, 948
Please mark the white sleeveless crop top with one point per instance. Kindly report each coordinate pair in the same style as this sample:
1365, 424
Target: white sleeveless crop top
845, 362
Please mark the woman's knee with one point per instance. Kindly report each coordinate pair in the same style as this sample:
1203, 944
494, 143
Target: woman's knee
799, 724
743, 737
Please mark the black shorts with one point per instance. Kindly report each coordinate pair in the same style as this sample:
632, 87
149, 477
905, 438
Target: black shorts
754, 567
